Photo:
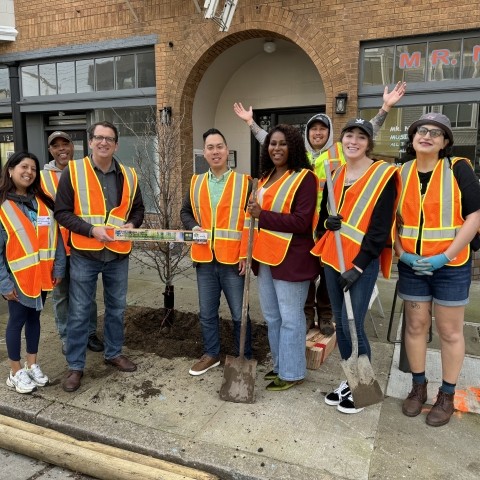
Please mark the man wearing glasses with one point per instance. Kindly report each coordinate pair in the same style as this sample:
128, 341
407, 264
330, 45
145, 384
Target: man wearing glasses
96, 195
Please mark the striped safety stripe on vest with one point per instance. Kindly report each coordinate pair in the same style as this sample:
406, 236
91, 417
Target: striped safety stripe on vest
33, 248
350, 224
227, 229
90, 204
335, 159
449, 215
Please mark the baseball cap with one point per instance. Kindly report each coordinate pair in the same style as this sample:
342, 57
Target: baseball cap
360, 123
432, 118
58, 134
320, 117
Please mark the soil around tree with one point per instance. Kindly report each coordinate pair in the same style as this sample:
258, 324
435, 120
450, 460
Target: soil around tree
180, 336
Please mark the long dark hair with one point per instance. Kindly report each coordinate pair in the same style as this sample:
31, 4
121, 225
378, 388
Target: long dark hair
7, 185
297, 154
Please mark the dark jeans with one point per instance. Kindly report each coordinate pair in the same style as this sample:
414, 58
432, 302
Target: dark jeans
19, 316
318, 299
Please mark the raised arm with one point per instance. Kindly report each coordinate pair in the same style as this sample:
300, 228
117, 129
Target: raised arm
247, 117
389, 100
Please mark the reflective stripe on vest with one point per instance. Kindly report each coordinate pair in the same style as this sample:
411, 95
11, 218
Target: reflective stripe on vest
229, 218
356, 207
49, 180
440, 208
270, 246
89, 204
30, 251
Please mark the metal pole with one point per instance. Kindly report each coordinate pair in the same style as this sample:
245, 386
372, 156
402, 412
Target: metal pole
18, 119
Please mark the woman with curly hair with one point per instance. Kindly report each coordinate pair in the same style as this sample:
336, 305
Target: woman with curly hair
284, 212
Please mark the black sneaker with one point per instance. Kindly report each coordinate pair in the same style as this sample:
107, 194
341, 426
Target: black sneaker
335, 397
347, 405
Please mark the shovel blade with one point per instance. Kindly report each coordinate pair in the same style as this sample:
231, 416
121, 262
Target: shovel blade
238, 380
361, 379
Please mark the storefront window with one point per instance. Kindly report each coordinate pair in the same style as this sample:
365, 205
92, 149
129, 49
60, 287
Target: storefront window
378, 66
146, 69
4, 84
29, 77
410, 63
104, 73
471, 58
66, 77
125, 66
85, 75
444, 60
48, 79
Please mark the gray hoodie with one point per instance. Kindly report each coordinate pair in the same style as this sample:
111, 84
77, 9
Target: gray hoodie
52, 166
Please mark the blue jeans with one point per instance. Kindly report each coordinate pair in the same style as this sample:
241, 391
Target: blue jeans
83, 285
282, 306
60, 298
212, 279
360, 293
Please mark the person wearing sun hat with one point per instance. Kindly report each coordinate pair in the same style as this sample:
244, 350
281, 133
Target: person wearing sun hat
438, 216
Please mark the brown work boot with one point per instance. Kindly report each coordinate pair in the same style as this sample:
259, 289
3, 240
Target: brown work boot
326, 326
442, 410
412, 405
71, 381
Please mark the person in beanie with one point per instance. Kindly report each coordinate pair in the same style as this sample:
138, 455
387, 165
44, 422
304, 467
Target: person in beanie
438, 216
320, 145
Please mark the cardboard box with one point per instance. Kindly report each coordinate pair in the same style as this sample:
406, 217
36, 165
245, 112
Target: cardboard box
318, 348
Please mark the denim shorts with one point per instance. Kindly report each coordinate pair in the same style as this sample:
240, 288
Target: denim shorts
448, 286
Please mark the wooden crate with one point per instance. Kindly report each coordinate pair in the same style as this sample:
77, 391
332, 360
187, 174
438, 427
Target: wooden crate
318, 348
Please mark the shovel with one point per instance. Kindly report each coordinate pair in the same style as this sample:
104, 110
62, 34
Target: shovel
239, 373
358, 369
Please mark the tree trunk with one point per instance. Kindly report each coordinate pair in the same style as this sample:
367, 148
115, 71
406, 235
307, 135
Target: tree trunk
169, 311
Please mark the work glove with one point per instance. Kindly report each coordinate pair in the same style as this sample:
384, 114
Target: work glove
430, 264
409, 258
348, 278
333, 222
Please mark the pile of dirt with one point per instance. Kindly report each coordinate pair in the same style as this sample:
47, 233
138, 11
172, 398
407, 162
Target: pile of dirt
145, 330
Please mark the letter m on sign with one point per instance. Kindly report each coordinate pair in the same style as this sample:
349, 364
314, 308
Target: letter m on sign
409, 61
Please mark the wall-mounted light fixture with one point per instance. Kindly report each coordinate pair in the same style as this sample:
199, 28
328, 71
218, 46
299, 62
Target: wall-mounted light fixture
165, 115
269, 46
341, 103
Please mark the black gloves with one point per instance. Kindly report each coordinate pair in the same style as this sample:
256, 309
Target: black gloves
333, 222
348, 278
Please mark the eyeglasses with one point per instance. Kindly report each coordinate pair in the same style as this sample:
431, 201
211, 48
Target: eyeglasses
101, 138
434, 132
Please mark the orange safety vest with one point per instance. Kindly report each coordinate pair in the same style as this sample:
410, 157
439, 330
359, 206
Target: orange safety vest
270, 247
89, 204
356, 209
30, 250
440, 207
49, 181
229, 218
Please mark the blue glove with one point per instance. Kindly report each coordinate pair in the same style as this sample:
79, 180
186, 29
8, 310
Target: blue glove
409, 258
430, 264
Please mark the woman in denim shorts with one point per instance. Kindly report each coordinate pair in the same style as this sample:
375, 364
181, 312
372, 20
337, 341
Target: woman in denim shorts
438, 216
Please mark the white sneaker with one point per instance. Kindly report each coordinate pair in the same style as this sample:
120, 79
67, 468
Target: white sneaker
36, 375
21, 382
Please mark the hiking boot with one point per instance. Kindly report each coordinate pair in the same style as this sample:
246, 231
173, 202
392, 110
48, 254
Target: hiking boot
21, 382
36, 375
326, 327
204, 364
347, 405
335, 397
412, 405
442, 410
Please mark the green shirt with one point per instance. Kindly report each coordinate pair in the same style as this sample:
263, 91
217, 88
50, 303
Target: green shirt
215, 187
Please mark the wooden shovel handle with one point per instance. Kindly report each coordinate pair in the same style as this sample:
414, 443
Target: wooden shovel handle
246, 287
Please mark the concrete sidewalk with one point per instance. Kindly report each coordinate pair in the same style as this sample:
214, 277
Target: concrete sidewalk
162, 411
